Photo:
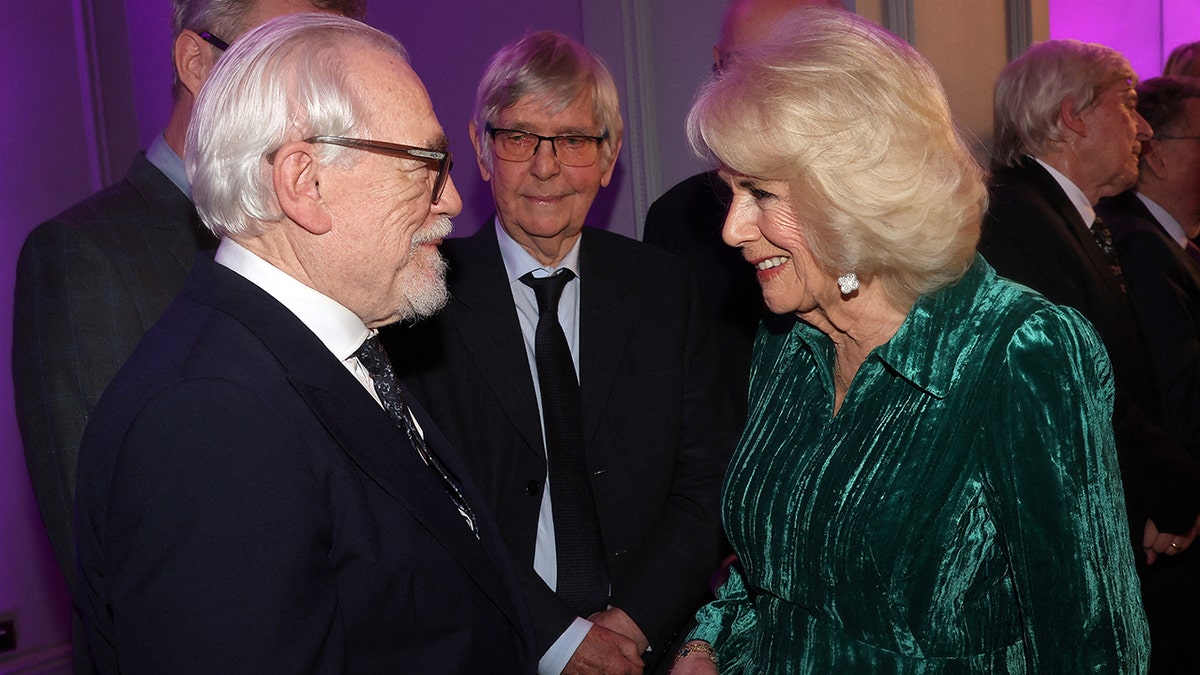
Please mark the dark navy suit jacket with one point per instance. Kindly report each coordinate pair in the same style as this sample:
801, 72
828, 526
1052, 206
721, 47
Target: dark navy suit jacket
244, 505
1164, 285
658, 426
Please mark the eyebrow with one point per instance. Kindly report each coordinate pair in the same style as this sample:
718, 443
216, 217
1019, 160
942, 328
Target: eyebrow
440, 143
562, 131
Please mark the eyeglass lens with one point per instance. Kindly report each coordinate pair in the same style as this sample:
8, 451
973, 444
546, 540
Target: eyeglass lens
518, 146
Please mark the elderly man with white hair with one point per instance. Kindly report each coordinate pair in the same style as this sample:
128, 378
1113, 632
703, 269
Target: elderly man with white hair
1068, 133
256, 494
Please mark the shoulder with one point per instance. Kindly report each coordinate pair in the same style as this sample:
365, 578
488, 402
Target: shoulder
706, 186
619, 250
1024, 321
143, 198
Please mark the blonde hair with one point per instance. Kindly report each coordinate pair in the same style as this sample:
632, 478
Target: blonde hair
858, 124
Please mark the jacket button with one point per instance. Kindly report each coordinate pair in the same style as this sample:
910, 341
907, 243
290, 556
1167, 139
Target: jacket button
533, 488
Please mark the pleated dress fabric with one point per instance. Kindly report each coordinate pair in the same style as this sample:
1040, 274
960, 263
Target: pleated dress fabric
962, 512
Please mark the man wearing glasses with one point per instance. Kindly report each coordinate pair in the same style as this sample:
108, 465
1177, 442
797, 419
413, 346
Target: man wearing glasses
92, 280
1151, 225
256, 493
575, 372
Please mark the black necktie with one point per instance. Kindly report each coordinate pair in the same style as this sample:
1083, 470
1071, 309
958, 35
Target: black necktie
372, 356
582, 573
1104, 238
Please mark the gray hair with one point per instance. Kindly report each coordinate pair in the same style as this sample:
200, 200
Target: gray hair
228, 19
555, 70
857, 123
1031, 89
285, 80
1184, 60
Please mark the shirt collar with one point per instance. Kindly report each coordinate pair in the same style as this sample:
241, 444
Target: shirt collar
518, 261
924, 351
1168, 222
1075, 194
165, 160
337, 327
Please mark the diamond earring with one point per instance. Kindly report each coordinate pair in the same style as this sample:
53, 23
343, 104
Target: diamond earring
848, 283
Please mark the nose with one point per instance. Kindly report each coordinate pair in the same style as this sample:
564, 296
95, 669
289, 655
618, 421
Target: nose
1144, 132
544, 163
738, 229
450, 203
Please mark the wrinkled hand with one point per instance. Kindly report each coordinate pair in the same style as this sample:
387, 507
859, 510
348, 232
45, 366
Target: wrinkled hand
604, 651
1155, 543
694, 664
615, 619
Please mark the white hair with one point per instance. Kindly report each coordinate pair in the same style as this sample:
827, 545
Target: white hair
285, 80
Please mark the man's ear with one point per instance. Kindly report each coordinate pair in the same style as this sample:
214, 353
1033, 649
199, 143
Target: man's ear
296, 177
1070, 118
194, 60
1152, 159
612, 164
475, 143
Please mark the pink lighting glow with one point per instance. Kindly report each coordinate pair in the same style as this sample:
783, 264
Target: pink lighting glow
1144, 30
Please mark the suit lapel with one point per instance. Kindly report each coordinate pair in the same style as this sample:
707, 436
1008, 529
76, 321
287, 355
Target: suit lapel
360, 426
1085, 242
604, 325
484, 315
176, 225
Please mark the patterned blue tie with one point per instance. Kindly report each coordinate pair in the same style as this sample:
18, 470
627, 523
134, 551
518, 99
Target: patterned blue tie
579, 549
372, 356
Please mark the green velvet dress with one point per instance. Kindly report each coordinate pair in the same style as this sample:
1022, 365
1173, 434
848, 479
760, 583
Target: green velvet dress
962, 513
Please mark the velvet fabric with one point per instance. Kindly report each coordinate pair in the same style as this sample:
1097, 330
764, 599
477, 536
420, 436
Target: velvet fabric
962, 512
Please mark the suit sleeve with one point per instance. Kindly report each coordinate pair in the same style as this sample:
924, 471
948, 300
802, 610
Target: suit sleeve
216, 541
1160, 478
73, 327
1059, 501
685, 543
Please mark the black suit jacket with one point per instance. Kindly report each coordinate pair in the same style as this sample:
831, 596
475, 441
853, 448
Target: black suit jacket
90, 282
1164, 285
687, 220
1034, 235
657, 426
244, 505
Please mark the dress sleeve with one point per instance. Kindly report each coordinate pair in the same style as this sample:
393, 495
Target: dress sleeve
1061, 508
728, 622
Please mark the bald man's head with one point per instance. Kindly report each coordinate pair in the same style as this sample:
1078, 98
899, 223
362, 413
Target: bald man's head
747, 21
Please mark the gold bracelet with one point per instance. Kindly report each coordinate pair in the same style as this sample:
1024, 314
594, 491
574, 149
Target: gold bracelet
698, 647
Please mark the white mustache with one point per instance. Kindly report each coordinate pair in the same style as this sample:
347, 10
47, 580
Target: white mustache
438, 229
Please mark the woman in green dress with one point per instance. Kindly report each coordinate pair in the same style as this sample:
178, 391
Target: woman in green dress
927, 482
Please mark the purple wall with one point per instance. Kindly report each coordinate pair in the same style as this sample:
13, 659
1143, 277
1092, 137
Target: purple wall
1145, 31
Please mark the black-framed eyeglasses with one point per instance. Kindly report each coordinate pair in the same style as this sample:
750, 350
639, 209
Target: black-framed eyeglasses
432, 158
213, 40
514, 145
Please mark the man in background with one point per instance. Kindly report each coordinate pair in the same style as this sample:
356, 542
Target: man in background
575, 371
1151, 225
1067, 133
687, 219
1184, 60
